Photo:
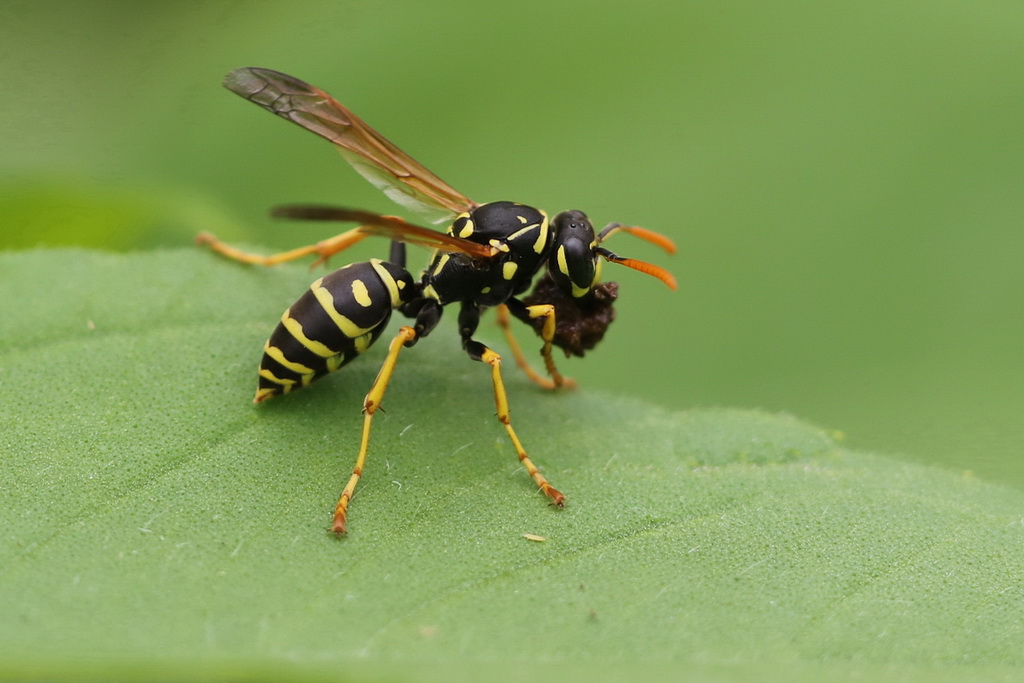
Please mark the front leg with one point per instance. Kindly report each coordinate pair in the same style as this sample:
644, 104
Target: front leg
547, 333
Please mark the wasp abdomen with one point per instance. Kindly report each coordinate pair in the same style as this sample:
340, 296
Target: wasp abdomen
335, 320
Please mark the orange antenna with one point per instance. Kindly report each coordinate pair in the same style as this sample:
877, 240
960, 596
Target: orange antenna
642, 266
655, 238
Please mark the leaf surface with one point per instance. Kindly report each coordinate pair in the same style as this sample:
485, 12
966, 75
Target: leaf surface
153, 515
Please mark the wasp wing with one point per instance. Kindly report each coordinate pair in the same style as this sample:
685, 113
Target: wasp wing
392, 227
404, 180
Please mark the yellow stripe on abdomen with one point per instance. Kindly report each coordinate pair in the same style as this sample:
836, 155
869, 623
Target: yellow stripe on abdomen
295, 329
267, 374
326, 299
279, 356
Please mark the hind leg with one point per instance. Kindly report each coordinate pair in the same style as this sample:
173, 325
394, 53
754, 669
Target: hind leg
323, 249
428, 317
405, 337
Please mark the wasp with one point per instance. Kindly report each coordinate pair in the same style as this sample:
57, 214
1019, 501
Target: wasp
488, 258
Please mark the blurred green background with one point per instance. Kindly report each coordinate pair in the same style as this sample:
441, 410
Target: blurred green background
845, 180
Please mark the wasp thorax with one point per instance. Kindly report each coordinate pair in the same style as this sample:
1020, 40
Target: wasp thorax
508, 222
522, 238
573, 261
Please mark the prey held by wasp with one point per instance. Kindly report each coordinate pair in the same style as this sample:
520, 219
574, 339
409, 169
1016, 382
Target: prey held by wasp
488, 258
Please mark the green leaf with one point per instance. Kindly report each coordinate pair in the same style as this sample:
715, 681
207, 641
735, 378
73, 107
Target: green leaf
80, 212
157, 523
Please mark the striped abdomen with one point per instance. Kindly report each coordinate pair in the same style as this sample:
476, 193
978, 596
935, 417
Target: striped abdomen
335, 320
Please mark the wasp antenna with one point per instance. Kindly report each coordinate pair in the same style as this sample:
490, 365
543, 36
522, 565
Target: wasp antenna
648, 269
642, 266
655, 238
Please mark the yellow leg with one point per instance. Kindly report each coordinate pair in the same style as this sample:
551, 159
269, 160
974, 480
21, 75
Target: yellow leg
324, 249
547, 334
501, 403
370, 405
547, 311
517, 352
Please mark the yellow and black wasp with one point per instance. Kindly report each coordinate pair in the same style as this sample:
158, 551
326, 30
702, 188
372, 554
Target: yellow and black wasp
488, 258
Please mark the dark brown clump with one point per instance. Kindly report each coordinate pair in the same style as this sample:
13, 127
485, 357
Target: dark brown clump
579, 323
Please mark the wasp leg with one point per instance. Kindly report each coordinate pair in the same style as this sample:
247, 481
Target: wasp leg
405, 337
517, 352
524, 365
478, 351
526, 314
469, 319
323, 249
396, 253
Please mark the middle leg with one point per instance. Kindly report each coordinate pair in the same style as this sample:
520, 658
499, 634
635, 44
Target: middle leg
468, 318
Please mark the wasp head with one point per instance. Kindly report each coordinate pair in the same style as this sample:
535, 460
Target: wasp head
573, 263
